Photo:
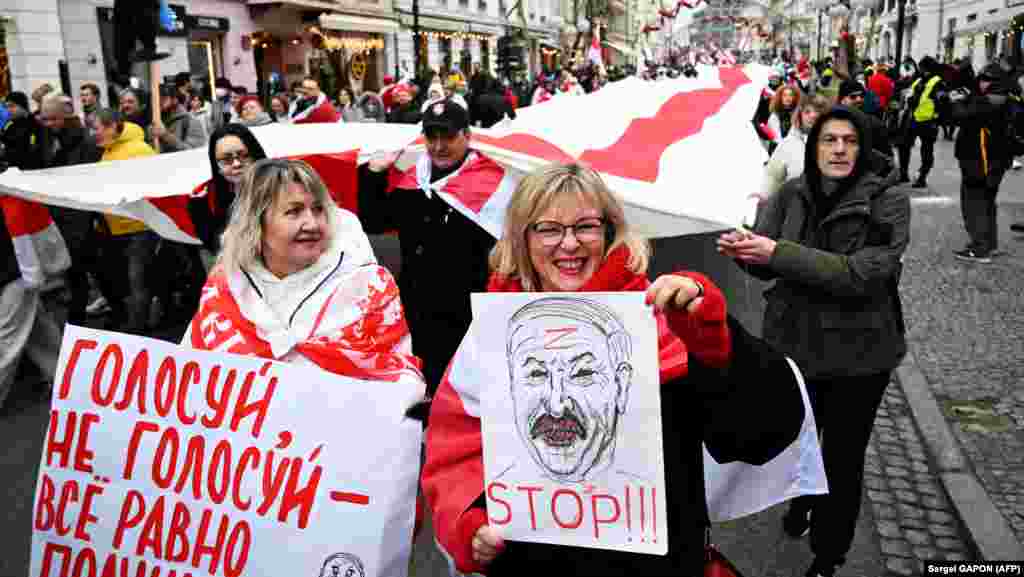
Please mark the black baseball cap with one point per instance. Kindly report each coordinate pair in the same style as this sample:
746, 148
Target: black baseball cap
447, 115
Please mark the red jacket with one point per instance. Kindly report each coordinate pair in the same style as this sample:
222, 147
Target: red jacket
883, 87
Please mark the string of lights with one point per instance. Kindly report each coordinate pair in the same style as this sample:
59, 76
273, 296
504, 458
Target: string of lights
437, 34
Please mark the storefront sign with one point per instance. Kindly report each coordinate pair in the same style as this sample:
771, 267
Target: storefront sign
208, 23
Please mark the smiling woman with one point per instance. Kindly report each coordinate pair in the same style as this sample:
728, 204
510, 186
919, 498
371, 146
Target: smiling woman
565, 231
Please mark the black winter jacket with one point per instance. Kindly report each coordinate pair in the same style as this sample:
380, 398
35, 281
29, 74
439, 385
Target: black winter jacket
723, 408
444, 259
69, 146
981, 157
20, 139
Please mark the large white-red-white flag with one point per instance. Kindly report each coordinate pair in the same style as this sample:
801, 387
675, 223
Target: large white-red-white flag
681, 152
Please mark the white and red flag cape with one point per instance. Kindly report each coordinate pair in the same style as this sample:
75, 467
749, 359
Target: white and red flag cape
38, 244
681, 152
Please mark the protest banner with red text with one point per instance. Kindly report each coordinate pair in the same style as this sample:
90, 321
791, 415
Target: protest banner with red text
161, 460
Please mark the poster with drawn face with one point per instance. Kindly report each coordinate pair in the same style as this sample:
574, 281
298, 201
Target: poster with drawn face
571, 418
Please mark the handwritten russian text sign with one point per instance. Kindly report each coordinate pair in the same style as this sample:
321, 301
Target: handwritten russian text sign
571, 418
161, 460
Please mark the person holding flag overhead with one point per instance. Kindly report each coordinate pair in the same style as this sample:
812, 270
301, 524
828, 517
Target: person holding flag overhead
444, 248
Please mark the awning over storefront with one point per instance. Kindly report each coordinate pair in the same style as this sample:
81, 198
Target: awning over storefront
348, 23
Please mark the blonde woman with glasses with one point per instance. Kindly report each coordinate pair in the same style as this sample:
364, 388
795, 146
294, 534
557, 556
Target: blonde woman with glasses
565, 231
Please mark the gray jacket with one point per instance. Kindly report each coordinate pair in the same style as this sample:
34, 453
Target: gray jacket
835, 305
183, 132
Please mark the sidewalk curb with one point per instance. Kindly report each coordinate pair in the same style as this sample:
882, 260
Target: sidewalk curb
986, 526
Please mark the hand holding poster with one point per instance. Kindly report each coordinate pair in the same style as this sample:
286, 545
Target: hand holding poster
200, 463
571, 419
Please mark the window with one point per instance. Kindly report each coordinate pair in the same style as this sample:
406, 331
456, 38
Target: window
482, 5
972, 17
463, 3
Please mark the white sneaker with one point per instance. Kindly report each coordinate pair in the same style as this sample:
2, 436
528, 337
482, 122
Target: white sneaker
1017, 165
98, 307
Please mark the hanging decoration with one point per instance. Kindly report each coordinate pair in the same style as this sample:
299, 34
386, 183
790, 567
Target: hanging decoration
358, 65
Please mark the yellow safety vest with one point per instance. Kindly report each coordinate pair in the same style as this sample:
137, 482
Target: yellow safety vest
925, 110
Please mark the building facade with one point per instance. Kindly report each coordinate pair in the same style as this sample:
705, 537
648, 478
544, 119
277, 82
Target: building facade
67, 43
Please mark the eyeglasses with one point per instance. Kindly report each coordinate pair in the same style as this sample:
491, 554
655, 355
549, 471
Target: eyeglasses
229, 160
551, 233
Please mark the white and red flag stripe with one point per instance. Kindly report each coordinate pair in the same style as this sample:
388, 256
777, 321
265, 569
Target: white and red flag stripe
681, 152
38, 244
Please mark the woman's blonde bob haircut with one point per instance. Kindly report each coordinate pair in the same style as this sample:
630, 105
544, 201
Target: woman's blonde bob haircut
262, 184
545, 188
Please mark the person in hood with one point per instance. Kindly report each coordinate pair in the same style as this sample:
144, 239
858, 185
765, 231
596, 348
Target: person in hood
65, 142
252, 112
177, 130
129, 246
20, 135
313, 106
232, 149
833, 241
983, 152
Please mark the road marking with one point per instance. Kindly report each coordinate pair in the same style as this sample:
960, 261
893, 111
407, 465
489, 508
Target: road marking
934, 200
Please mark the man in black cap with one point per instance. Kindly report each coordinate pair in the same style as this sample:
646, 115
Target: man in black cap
444, 253
851, 95
983, 150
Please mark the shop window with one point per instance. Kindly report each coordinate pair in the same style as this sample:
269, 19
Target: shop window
203, 63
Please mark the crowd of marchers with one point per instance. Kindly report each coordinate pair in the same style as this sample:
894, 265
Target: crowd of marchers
831, 229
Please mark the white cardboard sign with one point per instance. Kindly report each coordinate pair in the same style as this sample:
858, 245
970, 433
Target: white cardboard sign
571, 419
165, 460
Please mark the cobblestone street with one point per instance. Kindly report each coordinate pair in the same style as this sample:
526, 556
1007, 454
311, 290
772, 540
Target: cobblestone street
965, 325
